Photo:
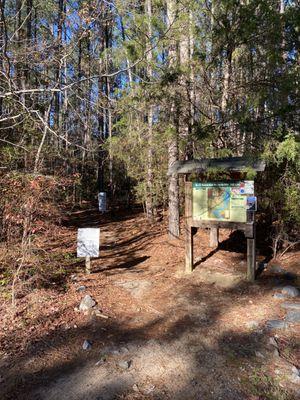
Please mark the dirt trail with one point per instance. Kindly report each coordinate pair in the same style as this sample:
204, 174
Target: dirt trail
167, 335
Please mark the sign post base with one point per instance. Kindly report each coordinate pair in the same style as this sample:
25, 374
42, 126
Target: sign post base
88, 265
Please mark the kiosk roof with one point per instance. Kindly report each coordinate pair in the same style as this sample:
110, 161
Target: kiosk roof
230, 164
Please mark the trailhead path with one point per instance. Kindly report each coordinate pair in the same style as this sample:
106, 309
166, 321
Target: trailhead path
154, 333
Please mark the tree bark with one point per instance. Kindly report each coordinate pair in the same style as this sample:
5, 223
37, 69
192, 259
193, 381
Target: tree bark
149, 180
173, 150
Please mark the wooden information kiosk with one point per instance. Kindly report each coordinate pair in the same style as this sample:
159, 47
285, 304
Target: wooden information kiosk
228, 204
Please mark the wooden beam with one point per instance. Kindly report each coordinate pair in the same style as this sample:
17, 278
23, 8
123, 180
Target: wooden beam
230, 164
88, 265
214, 237
189, 250
251, 250
188, 202
246, 227
188, 229
251, 259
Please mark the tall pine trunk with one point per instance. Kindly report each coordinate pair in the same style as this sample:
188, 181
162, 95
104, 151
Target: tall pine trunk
173, 150
149, 182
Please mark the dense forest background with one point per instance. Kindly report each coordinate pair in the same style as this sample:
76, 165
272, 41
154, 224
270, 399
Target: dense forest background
106, 95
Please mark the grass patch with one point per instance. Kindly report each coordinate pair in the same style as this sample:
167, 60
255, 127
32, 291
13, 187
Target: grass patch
265, 387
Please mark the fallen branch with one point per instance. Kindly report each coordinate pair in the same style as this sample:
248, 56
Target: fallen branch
289, 246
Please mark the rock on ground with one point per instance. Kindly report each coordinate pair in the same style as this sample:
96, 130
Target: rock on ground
279, 296
293, 316
276, 324
291, 306
290, 291
87, 303
124, 364
86, 345
81, 288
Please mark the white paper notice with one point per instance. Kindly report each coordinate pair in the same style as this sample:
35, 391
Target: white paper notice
249, 187
88, 240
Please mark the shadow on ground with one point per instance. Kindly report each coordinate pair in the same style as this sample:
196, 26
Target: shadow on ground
181, 351
183, 354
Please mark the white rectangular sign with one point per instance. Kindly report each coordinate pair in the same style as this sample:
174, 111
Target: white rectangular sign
88, 240
102, 201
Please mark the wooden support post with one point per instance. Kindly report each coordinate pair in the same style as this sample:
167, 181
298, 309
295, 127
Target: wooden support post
251, 251
188, 228
251, 259
88, 265
214, 237
189, 250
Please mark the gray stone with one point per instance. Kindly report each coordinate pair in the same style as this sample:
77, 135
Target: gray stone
87, 345
276, 324
276, 353
273, 342
135, 388
124, 364
295, 371
293, 316
291, 306
87, 303
81, 288
279, 296
290, 291
101, 361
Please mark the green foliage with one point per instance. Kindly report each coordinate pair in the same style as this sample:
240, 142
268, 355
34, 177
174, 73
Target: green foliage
131, 147
220, 78
260, 383
249, 173
289, 151
279, 187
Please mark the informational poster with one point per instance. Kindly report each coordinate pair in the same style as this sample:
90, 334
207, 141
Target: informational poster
221, 201
251, 203
88, 240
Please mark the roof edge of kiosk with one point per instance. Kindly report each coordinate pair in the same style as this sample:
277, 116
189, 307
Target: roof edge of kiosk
231, 164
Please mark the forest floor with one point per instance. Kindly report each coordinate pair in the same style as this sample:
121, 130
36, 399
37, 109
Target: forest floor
160, 334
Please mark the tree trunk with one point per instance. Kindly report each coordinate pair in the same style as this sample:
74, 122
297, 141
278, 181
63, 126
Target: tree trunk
129, 72
173, 151
59, 54
149, 181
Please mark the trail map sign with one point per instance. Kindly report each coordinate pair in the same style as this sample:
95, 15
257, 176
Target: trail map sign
222, 201
88, 242
229, 204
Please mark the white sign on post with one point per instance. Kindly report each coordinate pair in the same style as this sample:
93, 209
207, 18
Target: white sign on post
88, 242
102, 201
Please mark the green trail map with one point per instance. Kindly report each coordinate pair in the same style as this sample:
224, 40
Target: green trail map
221, 201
